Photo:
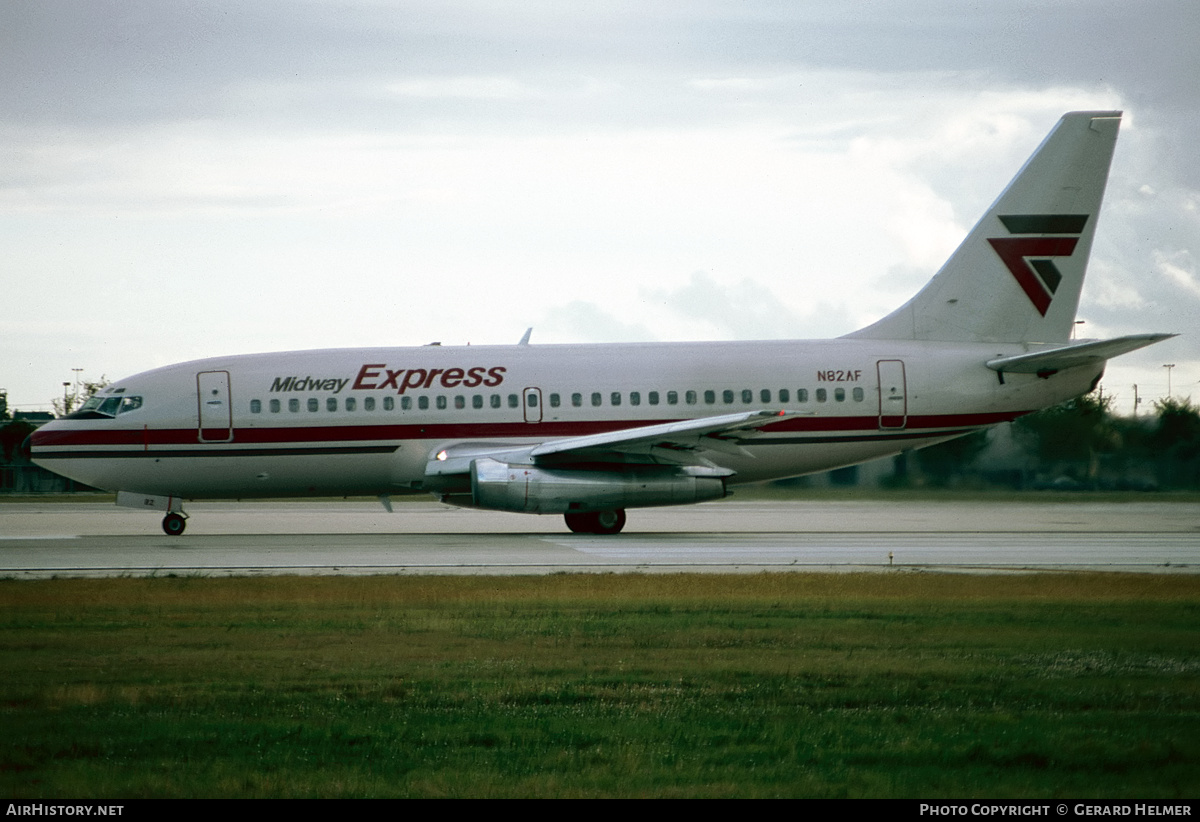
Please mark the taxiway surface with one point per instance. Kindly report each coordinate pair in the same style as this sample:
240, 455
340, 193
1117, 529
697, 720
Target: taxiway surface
354, 537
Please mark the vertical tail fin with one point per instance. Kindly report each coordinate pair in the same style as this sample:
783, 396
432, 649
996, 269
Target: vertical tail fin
1018, 274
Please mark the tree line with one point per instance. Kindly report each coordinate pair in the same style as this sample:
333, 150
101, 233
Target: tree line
1078, 445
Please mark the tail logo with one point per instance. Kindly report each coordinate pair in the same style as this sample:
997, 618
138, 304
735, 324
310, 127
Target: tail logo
1029, 258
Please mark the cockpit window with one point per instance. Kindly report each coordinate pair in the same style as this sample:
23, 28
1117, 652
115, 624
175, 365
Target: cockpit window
106, 407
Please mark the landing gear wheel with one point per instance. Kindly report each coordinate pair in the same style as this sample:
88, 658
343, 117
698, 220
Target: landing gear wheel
597, 522
609, 522
581, 523
173, 524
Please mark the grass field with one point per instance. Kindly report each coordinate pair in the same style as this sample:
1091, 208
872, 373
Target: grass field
831, 685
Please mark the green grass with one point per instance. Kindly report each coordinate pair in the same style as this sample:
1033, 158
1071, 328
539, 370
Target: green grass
603, 685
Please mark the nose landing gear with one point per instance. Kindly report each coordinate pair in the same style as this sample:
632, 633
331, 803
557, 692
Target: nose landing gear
173, 524
175, 520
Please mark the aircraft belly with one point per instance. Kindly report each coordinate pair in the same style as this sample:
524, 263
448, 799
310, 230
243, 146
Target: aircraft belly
229, 476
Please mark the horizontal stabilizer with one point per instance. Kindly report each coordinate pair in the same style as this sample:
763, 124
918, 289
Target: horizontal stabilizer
1069, 356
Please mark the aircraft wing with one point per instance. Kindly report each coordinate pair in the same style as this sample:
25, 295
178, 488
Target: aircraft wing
681, 442
686, 435
1068, 356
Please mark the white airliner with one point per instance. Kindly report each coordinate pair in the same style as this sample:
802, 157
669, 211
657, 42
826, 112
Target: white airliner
590, 430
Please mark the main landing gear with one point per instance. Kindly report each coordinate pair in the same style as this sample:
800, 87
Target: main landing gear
596, 522
174, 523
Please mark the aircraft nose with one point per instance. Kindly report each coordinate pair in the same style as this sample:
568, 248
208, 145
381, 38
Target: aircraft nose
35, 437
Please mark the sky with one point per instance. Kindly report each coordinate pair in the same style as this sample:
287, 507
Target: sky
189, 179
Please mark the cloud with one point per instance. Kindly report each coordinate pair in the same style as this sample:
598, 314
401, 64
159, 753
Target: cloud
741, 310
625, 170
582, 321
1179, 269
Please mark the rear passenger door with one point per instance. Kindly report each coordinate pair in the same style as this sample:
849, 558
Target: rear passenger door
893, 395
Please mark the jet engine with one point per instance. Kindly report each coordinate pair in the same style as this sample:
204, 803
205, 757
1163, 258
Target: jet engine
530, 489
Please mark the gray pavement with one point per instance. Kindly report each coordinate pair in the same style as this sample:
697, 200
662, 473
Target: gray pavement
42, 539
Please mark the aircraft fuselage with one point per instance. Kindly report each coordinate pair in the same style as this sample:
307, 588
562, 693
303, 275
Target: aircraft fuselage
368, 421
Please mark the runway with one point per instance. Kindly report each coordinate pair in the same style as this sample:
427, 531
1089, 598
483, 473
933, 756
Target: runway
78, 539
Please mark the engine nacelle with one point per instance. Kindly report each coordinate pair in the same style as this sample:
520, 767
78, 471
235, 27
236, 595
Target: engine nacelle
526, 488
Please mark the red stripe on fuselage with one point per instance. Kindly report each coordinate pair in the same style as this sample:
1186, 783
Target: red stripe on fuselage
148, 437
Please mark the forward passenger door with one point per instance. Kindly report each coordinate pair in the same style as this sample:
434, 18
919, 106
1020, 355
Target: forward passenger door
214, 409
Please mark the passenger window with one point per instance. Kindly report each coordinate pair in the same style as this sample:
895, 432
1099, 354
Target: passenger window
555, 401
255, 406
577, 399
596, 399
690, 397
293, 405
839, 394
389, 403
331, 404
369, 404
495, 400
423, 402
635, 398
822, 395
727, 396
314, 405
274, 406
514, 401
477, 400
406, 403
801, 395
710, 397
615, 398
858, 395
672, 398
784, 395
351, 404
653, 397
460, 402
765, 395
531, 399
441, 402
748, 396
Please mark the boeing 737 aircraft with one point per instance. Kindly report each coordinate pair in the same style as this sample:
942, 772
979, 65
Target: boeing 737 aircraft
588, 431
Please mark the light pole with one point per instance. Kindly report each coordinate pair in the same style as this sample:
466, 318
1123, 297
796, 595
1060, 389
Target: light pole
1168, 366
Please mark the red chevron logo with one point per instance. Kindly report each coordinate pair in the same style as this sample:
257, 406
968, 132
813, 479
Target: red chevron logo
1016, 251
1028, 258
